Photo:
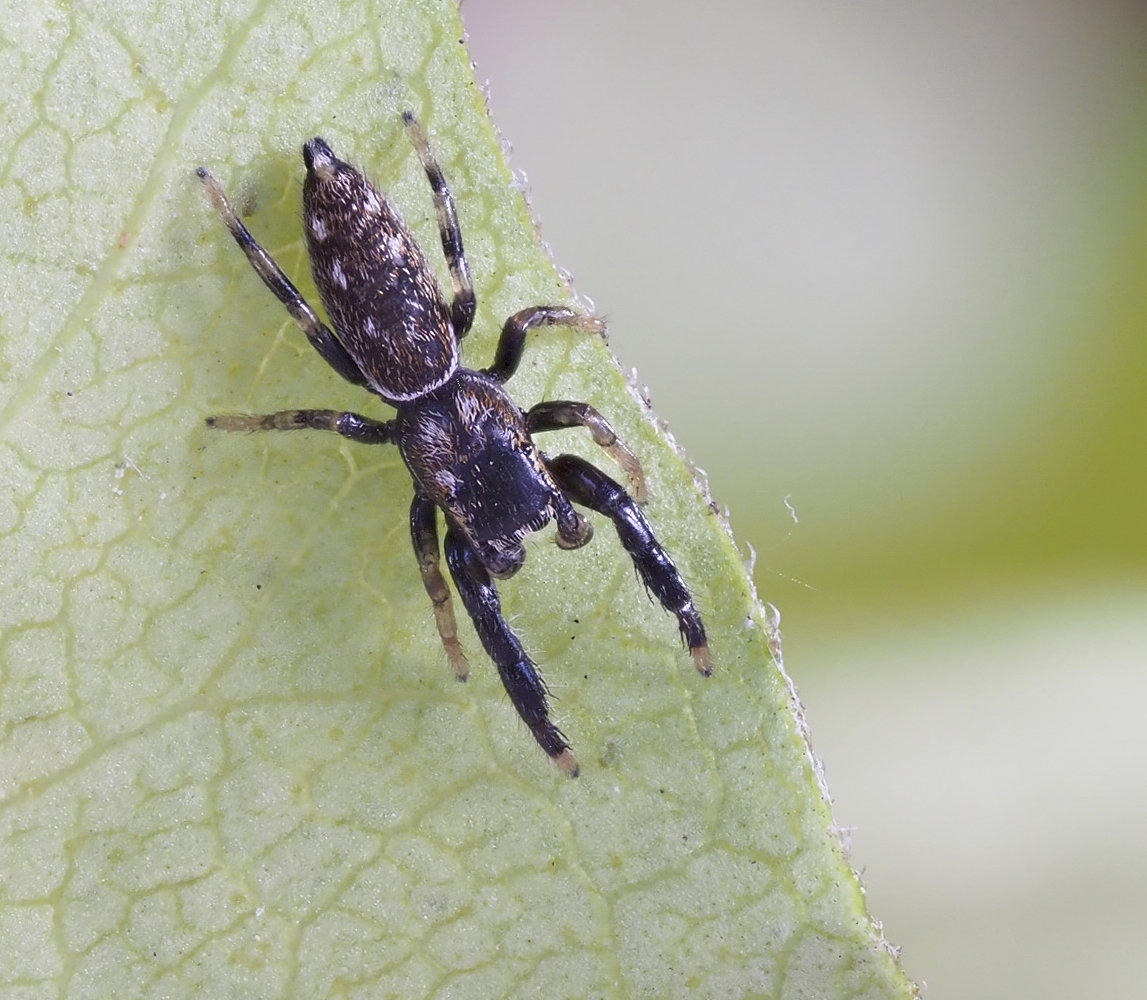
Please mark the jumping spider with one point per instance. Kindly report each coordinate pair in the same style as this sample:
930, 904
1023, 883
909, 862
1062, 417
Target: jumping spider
467, 445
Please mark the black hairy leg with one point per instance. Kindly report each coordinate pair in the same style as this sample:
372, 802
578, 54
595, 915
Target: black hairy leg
592, 488
520, 676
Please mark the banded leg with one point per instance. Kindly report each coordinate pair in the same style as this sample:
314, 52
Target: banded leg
588, 485
512, 342
350, 425
558, 413
424, 535
318, 333
462, 308
519, 675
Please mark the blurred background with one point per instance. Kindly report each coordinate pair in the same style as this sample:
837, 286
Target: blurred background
883, 266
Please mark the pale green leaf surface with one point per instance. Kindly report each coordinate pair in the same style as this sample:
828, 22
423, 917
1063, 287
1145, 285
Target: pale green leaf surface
233, 760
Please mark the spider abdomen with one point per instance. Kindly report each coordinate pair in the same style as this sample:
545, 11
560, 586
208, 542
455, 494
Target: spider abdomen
384, 302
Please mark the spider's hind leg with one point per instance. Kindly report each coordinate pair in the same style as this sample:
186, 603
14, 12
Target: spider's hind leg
464, 303
353, 426
519, 675
318, 333
589, 486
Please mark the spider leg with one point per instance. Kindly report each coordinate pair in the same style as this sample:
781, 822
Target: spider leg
558, 413
350, 425
424, 535
462, 308
519, 675
318, 333
592, 488
512, 342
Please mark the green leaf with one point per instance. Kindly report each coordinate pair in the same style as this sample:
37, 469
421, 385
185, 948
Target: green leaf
233, 760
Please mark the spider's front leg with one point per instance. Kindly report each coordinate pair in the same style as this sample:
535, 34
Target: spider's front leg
588, 485
519, 675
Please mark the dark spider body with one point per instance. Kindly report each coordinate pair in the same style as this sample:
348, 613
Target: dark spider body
469, 450
468, 446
